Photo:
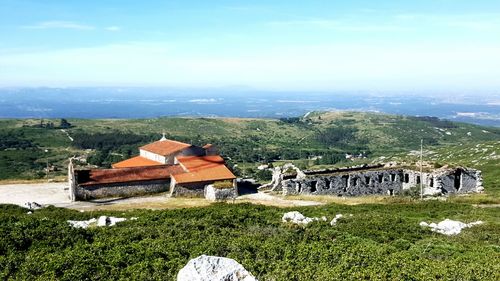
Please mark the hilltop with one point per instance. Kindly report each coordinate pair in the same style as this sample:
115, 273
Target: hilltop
324, 136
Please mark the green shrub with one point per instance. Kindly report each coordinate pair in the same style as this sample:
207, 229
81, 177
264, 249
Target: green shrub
223, 184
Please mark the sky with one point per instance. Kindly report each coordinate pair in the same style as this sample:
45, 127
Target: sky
425, 45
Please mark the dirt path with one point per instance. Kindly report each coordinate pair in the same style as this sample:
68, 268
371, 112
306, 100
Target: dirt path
268, 199
43, 193
67, 134
57, 194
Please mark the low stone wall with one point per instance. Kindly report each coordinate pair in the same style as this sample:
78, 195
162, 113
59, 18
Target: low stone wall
120, 189
390, 181
189, 189
387, 182
220, 194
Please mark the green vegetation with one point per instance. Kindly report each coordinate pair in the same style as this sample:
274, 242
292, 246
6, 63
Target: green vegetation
323, 138
223, 184
379, 242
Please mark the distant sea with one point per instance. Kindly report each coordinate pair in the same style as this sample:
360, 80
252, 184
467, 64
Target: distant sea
227, 102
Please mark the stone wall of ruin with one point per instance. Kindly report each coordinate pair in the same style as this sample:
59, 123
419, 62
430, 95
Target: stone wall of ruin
120, 189
385, 182
189, 189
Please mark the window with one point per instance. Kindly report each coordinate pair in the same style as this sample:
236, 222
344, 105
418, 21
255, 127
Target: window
327, 184
418, 179
458, 179
313, 186
355, 181
367, 180
380, 178
407, 178
345, 183
393, 177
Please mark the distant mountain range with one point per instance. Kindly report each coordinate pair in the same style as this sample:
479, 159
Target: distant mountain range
236, 102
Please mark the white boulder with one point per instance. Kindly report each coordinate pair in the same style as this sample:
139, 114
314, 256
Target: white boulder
101, 221
82, 224
210, 268
113, 220
335, 219
449, 227
296, 218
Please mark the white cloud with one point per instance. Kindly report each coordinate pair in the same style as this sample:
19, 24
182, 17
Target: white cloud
59, 25
113, 28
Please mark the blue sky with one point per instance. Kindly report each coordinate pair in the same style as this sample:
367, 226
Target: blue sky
285, 45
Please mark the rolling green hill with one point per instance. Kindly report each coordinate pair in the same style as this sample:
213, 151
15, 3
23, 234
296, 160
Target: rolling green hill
242, 141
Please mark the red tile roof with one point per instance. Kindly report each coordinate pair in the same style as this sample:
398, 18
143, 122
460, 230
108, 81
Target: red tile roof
137, 161
165, 147
203, 168
149, 173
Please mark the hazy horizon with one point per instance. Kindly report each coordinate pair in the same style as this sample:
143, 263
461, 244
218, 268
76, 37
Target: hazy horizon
424, 46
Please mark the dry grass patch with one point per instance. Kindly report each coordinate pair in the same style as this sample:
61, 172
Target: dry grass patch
350, 200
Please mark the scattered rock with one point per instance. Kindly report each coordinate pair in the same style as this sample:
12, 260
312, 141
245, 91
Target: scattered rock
335, 219
102, 221
210, 268
296, 218
82, 224
33, 205
262, 167
449, 227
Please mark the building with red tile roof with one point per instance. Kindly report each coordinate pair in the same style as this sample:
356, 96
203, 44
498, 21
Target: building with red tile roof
137, 161
163, 165
202, 169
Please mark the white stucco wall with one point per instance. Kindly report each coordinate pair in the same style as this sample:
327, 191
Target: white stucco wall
153, 156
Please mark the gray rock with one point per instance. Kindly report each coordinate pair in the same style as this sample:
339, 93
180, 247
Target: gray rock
210, 268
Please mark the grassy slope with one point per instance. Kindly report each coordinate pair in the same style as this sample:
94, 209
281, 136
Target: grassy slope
386, 135
379, 242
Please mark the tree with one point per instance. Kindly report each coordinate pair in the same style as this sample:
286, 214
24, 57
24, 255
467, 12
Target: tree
64, 124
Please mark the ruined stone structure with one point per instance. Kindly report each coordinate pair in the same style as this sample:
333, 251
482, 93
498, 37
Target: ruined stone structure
378, 180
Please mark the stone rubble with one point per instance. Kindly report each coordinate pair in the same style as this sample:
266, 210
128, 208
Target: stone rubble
449, 227
82, 224
211, 268
280, 174
33, 206
298, 218
335, 219
101, 221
